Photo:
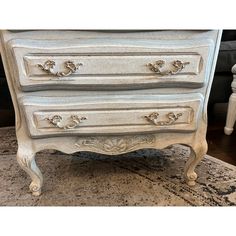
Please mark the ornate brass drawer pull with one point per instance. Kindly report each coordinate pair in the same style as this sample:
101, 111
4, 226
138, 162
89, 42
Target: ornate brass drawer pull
153, 117
49, 65
177, 65
56, 121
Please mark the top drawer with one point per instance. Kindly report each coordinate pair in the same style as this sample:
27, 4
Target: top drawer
111, 64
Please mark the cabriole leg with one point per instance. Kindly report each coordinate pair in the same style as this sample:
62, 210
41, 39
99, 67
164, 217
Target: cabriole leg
26, 159
196, 155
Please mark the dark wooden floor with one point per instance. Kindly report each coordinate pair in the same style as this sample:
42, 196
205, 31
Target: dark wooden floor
220, 146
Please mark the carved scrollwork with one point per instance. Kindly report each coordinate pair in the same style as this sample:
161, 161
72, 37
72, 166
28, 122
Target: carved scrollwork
177, 66
49, 65
56, 121
114, 144
35, 189
27, 163
171, 118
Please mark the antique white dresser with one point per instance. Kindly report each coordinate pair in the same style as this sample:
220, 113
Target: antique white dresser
109, 92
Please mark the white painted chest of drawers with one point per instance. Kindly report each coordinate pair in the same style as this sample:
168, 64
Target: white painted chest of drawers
109, 92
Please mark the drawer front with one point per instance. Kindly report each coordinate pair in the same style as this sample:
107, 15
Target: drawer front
96, 64
105, 115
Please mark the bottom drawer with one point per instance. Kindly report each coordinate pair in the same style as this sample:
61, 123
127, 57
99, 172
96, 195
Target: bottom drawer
60, 116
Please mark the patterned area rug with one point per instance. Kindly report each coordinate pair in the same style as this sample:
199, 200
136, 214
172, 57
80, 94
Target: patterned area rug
141, 178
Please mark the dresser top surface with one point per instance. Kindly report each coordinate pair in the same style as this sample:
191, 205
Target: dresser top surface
109, 34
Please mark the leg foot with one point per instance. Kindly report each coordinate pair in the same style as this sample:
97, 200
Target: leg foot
25, 158
190, 178
231, 115
228, 131
196, 155
35, 188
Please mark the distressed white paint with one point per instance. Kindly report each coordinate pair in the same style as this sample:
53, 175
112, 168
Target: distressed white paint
111, 115
114, 90
130, 59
